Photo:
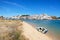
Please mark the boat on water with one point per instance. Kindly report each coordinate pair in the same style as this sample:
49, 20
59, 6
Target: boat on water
42, 30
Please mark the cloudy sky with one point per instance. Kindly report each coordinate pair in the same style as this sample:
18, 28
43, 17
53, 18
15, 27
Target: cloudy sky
31, 7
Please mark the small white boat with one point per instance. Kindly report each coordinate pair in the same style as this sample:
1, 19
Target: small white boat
42, 30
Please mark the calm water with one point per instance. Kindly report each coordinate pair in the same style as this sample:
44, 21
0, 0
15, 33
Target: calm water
51, 25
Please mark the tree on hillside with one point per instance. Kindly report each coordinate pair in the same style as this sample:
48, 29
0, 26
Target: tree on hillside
54, 17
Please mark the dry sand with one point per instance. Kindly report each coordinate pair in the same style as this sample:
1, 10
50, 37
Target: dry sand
18, 30
32, 34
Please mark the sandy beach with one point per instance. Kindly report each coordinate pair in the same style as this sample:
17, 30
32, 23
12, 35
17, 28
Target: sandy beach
32, 34
19, 30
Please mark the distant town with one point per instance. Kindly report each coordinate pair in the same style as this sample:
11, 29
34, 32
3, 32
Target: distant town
33, 17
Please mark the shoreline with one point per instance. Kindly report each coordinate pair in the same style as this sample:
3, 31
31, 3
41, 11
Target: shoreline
24, 30
49, 33
32, 33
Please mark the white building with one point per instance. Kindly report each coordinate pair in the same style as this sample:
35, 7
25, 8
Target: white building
45, 16
34, 17
15, 17
42, 16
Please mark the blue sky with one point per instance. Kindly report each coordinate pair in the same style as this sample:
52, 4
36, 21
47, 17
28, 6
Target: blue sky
30, 7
